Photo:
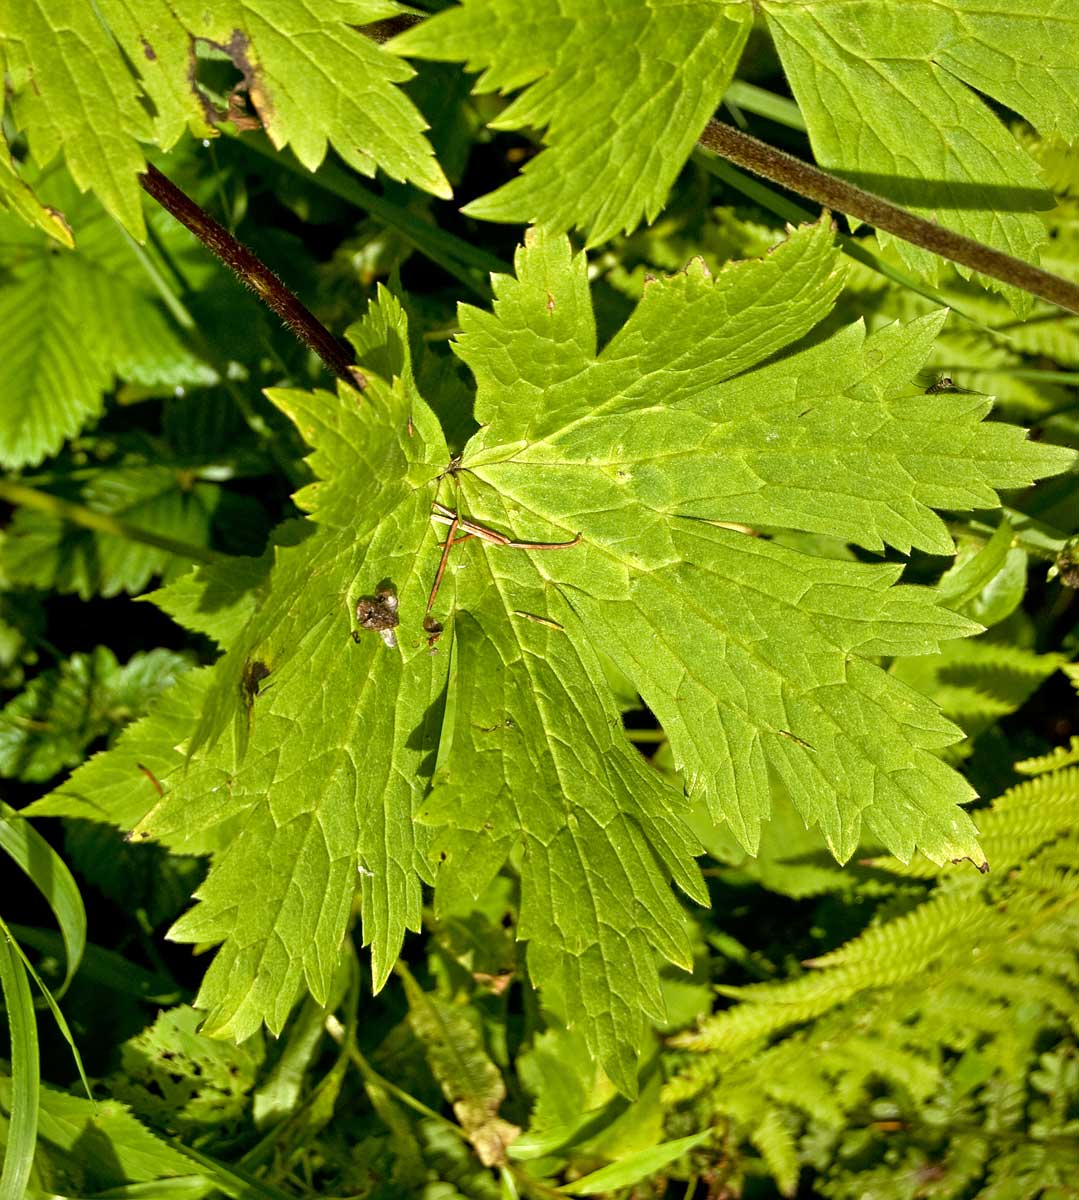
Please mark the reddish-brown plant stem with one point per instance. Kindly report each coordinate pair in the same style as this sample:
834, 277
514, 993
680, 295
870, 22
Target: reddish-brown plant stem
834, 193
253, 273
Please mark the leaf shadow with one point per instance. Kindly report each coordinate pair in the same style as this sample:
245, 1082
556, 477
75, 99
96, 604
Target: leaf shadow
911, 192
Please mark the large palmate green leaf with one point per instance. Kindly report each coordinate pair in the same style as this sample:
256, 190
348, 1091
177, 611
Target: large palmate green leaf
79, 72
756, 659
621, 89
614, 505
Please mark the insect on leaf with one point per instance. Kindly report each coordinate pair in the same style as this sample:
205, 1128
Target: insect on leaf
614, 502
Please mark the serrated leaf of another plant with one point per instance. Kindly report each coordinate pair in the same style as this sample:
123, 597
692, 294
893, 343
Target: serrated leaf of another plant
100, 1138
459, 1061
890, 98
622, 88
18, 196
47, 552
309, 72
51, 722
73, 92
178, 1079
73, 322
756, 659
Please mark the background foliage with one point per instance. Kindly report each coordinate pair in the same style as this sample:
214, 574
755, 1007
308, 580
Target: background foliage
653, 807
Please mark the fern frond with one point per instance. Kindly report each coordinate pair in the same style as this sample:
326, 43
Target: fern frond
1061, 756
937, 1014
774, 1138
906, 946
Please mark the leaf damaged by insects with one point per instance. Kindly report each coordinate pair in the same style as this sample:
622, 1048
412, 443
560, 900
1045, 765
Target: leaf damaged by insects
379, 614
607, 522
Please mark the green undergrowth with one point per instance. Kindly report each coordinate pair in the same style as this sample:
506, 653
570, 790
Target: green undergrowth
618, 737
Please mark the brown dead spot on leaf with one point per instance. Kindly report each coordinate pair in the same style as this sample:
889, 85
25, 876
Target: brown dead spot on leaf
388, 27
492, 1139
251, 89
209, 112
247, 105
237, 49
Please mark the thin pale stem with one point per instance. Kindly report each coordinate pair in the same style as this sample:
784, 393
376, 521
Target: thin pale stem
99, 522
840, 196
1034, 536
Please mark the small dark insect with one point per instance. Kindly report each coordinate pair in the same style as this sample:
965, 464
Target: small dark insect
254, 673
432, 628
943, 384
379, 613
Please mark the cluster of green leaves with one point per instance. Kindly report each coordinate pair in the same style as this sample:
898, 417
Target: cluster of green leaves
729, 508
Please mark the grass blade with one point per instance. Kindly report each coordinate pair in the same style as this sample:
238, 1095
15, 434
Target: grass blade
48, 872
25, 1084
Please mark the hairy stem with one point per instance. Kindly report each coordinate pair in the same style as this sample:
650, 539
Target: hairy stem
840, 196
89, 518
253, 273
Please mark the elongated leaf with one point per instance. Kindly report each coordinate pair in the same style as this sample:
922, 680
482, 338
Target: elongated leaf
469, 1079
22, 1105
634, 1167
49, 874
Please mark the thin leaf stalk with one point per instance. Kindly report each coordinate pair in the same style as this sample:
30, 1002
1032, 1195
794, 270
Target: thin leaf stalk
100, 522
252, 273
835, 193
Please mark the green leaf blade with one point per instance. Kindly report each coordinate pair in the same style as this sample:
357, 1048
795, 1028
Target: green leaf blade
49, 874
313, 820
622, 89
925, 139
706, 621
22, 1128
